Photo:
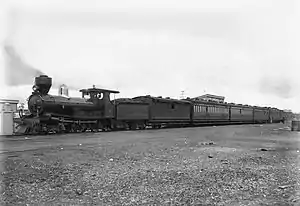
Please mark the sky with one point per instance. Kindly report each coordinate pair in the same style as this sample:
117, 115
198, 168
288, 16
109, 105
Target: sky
245, 50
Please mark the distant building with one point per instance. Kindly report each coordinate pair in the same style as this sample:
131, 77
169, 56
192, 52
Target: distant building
210, 97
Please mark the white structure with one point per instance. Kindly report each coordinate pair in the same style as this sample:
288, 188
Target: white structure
63, 90
7, 110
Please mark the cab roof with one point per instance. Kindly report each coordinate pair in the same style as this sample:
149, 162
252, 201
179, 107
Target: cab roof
97, 90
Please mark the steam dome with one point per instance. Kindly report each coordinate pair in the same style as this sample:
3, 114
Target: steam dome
63, 90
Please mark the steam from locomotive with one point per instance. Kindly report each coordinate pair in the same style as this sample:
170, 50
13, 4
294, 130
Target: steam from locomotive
17, 71
96, 111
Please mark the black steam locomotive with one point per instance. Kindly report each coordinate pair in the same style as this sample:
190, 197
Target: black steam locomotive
96, 111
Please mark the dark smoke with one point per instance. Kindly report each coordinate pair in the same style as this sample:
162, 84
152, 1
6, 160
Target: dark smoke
17, 72
280, 87
20, 73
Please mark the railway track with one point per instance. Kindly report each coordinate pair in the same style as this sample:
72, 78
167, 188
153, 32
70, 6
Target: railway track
19, 144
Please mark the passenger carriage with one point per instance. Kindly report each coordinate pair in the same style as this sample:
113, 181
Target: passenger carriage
166, 110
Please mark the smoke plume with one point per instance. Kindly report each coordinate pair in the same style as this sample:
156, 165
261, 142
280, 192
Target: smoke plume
17, 72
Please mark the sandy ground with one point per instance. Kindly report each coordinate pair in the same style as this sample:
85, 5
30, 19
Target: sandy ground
224, 165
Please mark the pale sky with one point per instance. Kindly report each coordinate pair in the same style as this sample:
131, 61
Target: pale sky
247, 51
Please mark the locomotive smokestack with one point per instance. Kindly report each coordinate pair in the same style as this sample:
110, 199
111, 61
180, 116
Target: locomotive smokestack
43, 84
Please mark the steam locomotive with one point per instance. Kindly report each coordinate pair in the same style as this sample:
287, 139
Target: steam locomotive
96, 111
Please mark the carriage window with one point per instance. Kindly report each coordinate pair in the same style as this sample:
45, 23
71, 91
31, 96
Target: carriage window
173, 106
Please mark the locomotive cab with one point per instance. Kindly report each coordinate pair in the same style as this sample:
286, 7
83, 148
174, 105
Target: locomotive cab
101, 98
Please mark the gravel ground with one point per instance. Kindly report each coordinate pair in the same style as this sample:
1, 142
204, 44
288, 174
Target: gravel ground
186, 170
